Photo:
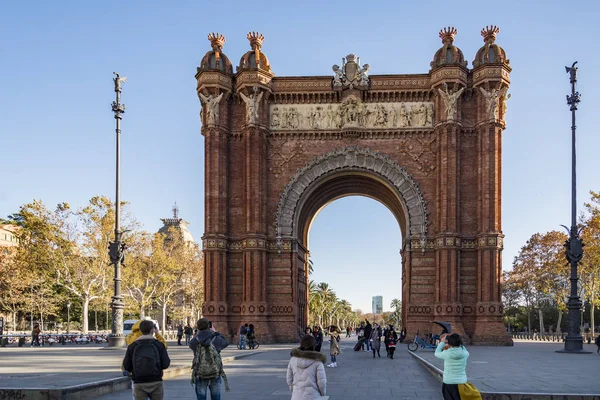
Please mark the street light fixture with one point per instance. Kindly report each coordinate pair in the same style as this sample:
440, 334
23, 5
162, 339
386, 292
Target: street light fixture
68, 316
116, 339
573, 245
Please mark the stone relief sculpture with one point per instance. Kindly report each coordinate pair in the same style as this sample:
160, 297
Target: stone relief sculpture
492, 97
352, 113
450, 100
252, 104
339, 75
212, 107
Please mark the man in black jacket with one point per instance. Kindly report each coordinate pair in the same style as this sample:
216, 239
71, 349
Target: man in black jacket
145, 359
368, 330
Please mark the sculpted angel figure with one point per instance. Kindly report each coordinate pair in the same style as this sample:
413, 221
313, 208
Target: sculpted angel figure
450, 101
339, 75
503, 99
252, 104
491, 101
118, 79
212, 107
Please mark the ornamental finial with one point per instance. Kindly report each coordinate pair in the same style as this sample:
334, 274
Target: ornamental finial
256, 39
216, 41
489, 33
447, 34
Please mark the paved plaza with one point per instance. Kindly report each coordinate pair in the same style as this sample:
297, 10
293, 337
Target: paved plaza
524, 368
530, 368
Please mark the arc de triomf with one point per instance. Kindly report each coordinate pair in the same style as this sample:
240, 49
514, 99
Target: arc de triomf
428, 146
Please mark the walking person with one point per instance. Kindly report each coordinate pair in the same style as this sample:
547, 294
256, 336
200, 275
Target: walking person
391, 338
402, 335
598, 345
207, 367
375, 340
334, 346
179, 334
455, 355
243, 332
145, 360
35, 335
251, 336
368, 330
360, 335
318, 335
347, 331
188, 331
305, 372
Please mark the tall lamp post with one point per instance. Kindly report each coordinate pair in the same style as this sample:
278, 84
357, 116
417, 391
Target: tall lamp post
573, 245
68, 316
116, 338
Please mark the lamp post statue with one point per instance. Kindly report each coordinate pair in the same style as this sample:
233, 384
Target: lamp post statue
117, 248
573, 245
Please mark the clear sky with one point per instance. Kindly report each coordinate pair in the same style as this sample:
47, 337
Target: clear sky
57, 130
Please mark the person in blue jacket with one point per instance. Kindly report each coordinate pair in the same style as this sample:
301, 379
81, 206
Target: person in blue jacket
455, 355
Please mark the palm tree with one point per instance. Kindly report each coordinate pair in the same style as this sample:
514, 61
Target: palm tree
396, 304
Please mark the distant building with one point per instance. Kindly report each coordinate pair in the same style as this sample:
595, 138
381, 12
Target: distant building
178, 223
377, 304
8, 237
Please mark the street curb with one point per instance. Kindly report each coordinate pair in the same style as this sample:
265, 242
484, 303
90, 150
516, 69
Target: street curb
98, 388
438, 374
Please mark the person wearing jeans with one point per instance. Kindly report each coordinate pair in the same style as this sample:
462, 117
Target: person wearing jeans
215, 389
243, 333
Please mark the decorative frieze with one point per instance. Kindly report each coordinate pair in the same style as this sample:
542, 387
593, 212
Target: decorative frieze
352, 113
239, 245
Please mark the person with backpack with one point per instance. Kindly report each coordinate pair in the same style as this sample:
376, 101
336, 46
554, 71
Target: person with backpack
305, 372
207, 368
145, 359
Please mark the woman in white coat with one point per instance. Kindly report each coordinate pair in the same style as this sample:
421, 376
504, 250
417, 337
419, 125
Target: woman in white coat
306, 372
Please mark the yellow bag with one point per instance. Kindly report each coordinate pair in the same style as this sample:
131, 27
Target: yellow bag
468, 391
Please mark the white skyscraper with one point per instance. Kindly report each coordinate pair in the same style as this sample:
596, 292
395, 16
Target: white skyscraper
377, 304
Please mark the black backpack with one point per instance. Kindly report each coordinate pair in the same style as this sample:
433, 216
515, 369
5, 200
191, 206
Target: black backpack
146, 359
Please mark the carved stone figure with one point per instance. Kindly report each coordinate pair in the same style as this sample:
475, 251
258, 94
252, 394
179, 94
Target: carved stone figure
212, 107
429, 115
339, 75
405, 119
252, 104
503, 99
363, 75
491, 101
450, 100
275, 118
381, 116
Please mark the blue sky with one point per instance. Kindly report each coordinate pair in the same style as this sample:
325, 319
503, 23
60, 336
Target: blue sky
57, 130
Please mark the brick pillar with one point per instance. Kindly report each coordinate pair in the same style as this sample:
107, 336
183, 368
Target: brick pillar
489, 326
254, 269
215, 238
447, 305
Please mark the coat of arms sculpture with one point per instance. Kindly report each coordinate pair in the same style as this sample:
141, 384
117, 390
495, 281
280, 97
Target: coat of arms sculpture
351, 74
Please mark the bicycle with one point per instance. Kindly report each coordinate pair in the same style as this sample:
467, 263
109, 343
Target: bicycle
421, 343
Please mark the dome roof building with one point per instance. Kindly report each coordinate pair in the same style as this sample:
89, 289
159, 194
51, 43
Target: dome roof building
178, 223
216, 59
448, 54
490, 53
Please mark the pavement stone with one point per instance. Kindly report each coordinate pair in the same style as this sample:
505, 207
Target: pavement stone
358, 376
529, 368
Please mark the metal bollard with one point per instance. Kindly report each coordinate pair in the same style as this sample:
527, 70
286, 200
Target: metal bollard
21, 341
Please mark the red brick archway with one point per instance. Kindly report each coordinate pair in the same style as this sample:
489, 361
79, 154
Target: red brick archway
278, 149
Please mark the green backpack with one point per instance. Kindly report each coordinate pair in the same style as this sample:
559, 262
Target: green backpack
207, 364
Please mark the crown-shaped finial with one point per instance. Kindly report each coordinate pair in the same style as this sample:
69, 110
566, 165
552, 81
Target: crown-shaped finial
447, 34
216, 40
489, 33
256, 39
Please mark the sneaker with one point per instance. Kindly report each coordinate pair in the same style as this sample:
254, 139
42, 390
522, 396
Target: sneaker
335, 365
331, 365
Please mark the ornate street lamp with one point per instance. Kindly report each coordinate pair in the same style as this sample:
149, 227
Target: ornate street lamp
573, 245
68, 316
117, 248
